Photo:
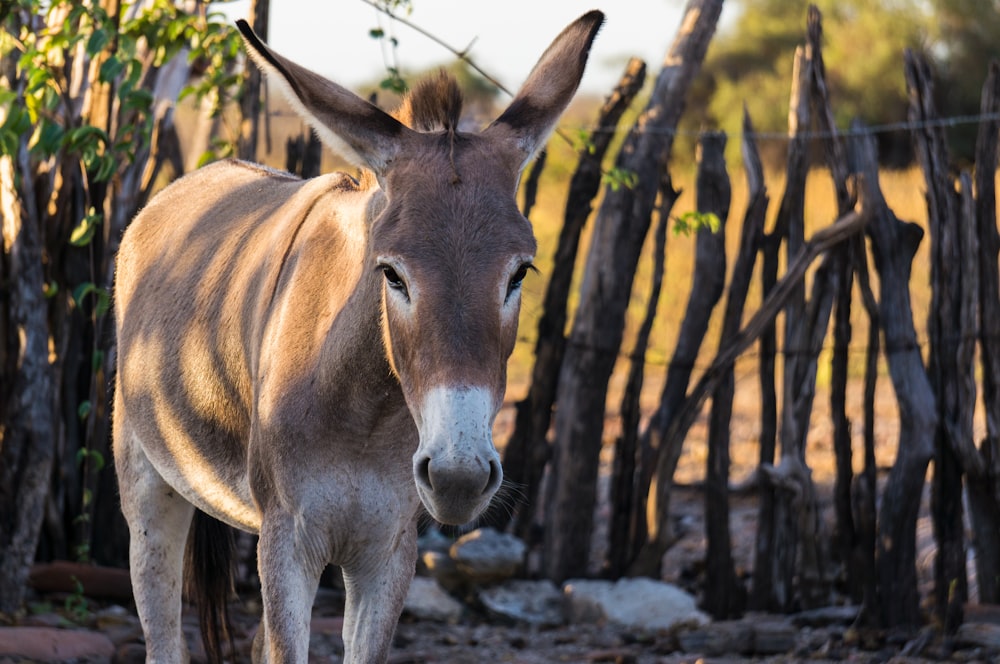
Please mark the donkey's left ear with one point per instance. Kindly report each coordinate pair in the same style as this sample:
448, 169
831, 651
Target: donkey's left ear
550, 87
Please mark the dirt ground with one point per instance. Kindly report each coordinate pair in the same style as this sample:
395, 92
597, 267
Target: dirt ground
479, 638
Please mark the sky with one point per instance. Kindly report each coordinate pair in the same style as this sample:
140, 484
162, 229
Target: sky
332, 38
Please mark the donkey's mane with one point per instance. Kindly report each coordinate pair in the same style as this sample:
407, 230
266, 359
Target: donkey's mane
434, 104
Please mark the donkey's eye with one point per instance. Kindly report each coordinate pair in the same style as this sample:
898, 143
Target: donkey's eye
393, 279
517, 278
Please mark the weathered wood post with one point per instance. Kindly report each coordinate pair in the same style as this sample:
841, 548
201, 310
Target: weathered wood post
984, 491
951, 327
725, 595
527, 450
620, 230
894, 244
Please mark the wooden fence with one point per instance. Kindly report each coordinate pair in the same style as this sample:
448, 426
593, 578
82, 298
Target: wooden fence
870, 556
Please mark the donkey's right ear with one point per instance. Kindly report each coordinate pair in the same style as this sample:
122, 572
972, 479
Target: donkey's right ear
550, 87
355, 129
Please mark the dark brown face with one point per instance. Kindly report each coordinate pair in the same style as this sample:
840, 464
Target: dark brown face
452, 252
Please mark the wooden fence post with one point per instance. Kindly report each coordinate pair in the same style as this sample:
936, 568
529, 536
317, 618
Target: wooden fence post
527, 449
952, 330
984, 492
620, 229
894, 244
725, 595
633, 455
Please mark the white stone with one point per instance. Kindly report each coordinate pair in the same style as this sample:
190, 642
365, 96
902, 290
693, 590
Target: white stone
533, 602
640, 604
426, 600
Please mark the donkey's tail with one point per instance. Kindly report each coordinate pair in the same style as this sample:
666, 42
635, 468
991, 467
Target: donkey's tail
210, 570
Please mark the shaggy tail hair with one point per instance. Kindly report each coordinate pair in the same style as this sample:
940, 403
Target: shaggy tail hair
209, 577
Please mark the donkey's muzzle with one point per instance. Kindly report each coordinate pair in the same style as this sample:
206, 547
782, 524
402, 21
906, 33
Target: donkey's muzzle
456, 468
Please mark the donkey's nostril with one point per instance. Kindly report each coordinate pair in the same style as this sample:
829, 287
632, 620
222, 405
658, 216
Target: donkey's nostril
496, 477
423, 472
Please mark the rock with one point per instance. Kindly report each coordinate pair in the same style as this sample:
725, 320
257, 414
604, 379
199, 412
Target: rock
70, 577
638, 604
826, 616
48, 644
982, 613
47, 619
772, 636
533, 602
980, 635
442, 569
118, 624
433, 540
719, 638
487, 556
131, 653
426, 600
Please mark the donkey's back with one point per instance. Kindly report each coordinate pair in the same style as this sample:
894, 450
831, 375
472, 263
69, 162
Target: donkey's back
197, 291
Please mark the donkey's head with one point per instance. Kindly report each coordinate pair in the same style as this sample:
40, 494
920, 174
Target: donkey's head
450, 246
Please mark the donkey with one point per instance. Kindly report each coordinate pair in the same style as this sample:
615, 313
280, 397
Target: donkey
312, 360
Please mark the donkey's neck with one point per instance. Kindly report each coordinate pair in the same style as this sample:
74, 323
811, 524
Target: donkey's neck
354, 372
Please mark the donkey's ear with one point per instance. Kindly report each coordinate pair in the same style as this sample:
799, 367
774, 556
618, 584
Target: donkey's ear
355, 129
550, 87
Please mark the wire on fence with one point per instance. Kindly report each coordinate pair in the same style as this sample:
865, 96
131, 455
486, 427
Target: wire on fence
884, 128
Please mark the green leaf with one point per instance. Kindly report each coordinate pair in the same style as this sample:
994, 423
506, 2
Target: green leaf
84, 231
694, 221
137, 100
47, 138
51, 289
175, 29
106, 168
37, 79
394, 82
620, 177
376, 33
98, 460
89, 288
110, 69
85, 136
207, 157
16, 124
82, 411
98, 40
93, 457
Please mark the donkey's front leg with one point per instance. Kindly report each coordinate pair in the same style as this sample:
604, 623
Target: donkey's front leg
376, 584
289, 576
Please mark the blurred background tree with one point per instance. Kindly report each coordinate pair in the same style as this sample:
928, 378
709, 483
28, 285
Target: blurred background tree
750, 62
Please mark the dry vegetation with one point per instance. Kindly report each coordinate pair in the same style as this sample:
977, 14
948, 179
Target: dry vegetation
904, 190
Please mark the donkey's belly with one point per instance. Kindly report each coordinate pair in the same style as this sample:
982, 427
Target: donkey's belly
215, 484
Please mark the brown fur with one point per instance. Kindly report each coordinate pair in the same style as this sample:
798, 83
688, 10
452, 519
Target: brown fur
313, 360
434, 104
